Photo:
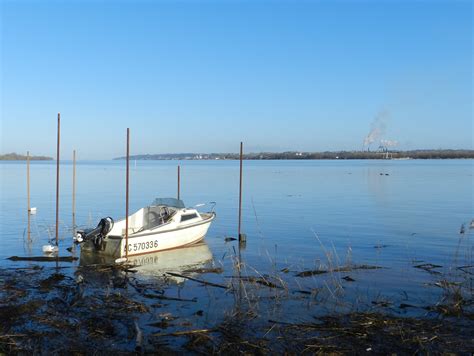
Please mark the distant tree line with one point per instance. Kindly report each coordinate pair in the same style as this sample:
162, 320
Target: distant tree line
17, 157
413, 154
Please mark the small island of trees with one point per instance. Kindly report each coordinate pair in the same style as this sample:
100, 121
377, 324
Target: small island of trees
17, 157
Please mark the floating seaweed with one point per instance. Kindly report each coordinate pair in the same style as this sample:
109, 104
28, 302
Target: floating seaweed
337, 269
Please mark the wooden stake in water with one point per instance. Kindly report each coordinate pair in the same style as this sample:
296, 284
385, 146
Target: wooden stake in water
74, 192
57, 180
179, 181
28, 193
240, 192
126, 193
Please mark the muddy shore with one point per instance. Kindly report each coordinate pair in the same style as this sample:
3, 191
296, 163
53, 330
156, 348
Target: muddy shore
104, 309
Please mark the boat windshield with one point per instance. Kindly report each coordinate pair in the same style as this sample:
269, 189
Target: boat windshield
171, 202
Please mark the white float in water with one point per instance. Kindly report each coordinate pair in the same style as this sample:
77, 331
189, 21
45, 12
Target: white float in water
32, 211
78, 238
121, 260
50, 249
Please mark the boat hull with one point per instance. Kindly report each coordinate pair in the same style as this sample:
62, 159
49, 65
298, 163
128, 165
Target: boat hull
152, 241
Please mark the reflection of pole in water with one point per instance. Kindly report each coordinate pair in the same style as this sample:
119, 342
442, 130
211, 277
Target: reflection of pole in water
57, 180
74, 192
242, 237
237, 270
28, 193
240, 276
240, 191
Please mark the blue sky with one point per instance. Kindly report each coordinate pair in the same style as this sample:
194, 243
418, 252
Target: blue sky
200, 76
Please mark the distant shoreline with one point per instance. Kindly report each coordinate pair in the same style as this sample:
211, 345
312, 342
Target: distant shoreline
397, 155
17, 157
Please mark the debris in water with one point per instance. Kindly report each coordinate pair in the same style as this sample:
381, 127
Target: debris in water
42, 311
139, 337
348, 279
228, 239
197, 280
381, 303
186, 332
166, 318
163, 297
311, 272
44, 258
462, 230
338, 269
428, 267
303, 292
465, 269
259, 280
51, 281
217, 270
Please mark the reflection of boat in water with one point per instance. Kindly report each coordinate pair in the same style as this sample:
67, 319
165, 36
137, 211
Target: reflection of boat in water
164, 225
158, 263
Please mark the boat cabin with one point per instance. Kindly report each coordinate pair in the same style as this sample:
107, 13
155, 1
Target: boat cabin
162, 212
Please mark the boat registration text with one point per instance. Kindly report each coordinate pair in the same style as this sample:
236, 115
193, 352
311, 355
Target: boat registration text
142, 246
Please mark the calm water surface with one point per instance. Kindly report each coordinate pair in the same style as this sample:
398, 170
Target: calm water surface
297, 215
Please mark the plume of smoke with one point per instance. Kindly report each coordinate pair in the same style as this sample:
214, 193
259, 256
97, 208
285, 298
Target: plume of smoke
389, 143
377, 128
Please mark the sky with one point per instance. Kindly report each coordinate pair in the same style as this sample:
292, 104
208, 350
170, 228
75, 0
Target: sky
201, 76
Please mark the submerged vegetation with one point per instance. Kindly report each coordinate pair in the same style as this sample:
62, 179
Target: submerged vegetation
229, 307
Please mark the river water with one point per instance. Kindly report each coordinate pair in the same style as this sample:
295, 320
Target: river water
297, 215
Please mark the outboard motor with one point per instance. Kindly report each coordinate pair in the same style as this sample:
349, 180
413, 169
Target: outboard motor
96, 235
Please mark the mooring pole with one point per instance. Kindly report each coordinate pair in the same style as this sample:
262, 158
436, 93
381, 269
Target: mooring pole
28, 192
240, 191
126, 193
74, 192
57, 180
179, 181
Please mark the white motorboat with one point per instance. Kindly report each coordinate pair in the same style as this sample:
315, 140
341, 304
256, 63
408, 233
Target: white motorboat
164, 225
